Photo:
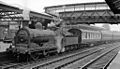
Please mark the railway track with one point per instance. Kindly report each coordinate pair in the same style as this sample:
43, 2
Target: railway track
64, 61
104, 61
87, 61
96, 58
43, 62
6, 60
8, 63
2, 54
12, 65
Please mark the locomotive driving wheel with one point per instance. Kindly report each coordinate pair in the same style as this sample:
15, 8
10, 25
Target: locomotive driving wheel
34, 56
20, 57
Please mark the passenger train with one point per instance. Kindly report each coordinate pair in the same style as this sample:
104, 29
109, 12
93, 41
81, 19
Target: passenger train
32, 42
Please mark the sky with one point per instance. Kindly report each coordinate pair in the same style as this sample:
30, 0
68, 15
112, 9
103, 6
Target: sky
38, 6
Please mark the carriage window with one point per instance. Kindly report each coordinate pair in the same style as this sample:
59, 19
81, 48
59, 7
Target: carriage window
99, 35
93, 35
96, 35
86, 35
89, 35
83, 35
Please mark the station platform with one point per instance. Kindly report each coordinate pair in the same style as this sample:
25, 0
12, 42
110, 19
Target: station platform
3, 46
115, 64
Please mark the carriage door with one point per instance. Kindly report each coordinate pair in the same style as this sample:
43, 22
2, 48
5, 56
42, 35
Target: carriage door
76, 33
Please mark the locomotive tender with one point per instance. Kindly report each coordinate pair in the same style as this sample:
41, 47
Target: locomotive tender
37, 41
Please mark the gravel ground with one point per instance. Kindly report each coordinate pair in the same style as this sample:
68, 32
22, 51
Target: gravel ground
3, 46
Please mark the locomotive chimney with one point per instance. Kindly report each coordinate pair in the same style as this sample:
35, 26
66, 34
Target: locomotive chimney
25, 23
38, 25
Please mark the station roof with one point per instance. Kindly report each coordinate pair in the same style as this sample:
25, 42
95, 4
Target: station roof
114, 5
8, 13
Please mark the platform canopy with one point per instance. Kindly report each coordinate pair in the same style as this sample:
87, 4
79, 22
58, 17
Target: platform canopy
90, 13
12, 13
96, 6
114, 5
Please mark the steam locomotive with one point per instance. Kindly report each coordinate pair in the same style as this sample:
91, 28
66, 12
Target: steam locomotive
33, 42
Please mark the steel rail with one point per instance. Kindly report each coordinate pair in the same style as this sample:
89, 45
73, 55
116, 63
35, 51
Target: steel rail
98, 57
58, 59
38, 64
12, 66
108, 63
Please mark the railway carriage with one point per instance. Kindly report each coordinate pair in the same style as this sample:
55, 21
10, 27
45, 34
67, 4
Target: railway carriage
116, 36
90, 37
107, 36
